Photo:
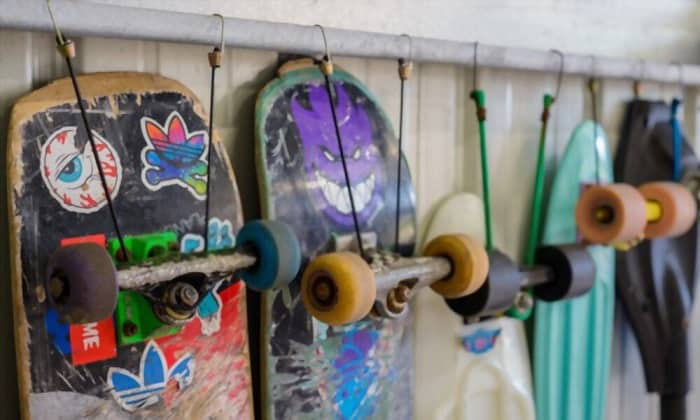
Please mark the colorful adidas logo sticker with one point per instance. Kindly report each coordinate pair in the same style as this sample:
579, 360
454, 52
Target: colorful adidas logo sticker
134, 392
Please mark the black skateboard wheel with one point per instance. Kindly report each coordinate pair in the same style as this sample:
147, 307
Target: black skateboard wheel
81, 283
496, 294
338, 288
573, 272
277, 250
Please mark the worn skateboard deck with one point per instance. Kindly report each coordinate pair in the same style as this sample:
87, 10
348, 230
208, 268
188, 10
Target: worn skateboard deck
151, 137
656, 280
572, 338
309, 369
488, 373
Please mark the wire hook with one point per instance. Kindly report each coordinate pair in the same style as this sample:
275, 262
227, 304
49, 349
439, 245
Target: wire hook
637, 84
679, 65
410, 47
59, 35
326, 52
560, 74
474, 76
223, 24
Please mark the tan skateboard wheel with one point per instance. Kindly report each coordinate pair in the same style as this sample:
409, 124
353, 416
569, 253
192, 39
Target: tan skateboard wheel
612, 213
338, 288
470, 264
678, 209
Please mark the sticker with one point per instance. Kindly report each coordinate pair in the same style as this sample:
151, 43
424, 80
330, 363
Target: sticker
322, 157
174, 156
481, 341
93, 341
72, 176
59, 332
220, 236
137, 392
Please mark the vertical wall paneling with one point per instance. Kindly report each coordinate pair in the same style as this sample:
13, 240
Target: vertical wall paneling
440, 144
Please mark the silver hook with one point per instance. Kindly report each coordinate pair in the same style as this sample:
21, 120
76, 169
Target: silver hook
326, 53
560, 74
221, 40
410, 46
59, 35
680, 75
474, 78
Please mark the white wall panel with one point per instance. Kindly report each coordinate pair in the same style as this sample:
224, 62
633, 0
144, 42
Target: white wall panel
441, 145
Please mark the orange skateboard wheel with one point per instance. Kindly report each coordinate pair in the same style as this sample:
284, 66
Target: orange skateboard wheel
470, 264
611, 213
678, 209
338, 288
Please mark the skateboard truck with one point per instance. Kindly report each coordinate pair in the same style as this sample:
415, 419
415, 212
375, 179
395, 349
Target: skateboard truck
341, 287
561, 272
83, 281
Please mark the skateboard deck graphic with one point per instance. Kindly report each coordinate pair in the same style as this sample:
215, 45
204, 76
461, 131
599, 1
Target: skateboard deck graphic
572, 338
656, 279
490, 370
151, 135
312, 370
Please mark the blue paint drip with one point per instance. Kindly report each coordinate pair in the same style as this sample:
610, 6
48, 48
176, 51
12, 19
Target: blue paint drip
357, 373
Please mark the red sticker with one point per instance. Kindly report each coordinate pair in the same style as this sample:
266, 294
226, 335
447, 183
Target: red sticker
93, 341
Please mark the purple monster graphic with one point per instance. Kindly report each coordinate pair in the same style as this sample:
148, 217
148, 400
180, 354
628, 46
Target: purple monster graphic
323, 164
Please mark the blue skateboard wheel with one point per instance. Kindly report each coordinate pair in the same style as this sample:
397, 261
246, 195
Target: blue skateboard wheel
277, 250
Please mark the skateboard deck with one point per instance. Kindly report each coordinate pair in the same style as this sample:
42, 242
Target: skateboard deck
489, 371
151, 137
309, 369
572, 338
656, 279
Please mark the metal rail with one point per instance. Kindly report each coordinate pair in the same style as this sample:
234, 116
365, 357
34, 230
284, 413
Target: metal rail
81, 18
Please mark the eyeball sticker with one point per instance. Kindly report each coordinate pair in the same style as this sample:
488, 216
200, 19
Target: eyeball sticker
72, 176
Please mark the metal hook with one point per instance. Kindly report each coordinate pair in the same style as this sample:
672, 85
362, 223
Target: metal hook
221, 40
560, 75
326, 53
637, 84
59, 35
410, 47
476, 47
680, 75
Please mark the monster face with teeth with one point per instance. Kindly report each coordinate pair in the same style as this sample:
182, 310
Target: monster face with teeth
322, 161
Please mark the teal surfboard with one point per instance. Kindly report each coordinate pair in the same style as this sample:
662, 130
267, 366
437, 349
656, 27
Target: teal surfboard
572, 338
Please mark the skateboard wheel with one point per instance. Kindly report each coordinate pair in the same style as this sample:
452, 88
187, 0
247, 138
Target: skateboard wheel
470, 264
277, 250
611, 213
496, 294
677, 205
81, 282
572, 269
338, 288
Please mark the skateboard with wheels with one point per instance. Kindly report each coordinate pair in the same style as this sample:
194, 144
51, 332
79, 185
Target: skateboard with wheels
571, 340
488, 369
337, 343
656, 280
155, 328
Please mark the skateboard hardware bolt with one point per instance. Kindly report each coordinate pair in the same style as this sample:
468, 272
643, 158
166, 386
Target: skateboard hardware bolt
188, 295
397, 298
324, 292
129, 329
523, 301
57, 287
